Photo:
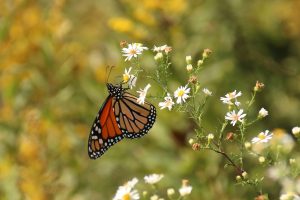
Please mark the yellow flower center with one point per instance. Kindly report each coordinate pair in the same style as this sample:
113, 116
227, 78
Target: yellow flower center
126, 197
132, 51
235, 117
126, 78
231, 95
181, 93
261, 136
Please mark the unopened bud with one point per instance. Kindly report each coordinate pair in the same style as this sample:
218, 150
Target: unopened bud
199, 63
261, 159
189, 67
245, 175
188, 59
238, 178
262, 113
296, 131
247, 145
170, 192
158, 56
210, 136
292, 161
191, 141
145, 193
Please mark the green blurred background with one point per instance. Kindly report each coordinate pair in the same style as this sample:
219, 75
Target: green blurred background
53, 56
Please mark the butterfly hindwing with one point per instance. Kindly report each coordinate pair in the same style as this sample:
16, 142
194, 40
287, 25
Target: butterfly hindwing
135, 120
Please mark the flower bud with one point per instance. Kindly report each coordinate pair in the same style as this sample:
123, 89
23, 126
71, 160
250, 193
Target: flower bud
189, 67
170, 192
158, 56
247, 145
292, 161
261, 159
199, 63
262, 113
145, 193
154, 197
238, 178
188, 59
296, 131
191, 141
245, 175
210, 136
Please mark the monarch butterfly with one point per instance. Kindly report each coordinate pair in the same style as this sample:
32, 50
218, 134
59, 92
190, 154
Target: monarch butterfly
119, 117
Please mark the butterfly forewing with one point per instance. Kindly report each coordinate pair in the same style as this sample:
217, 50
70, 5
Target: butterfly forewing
105, 131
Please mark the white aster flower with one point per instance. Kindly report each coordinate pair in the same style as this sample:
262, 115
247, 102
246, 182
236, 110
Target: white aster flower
133, 50
164, 48
143, 93
230, 96
131, 183
182, 94
129, 78
262, 113
168, 103
262, 137
153, 178
234, 117
207, 92
289, 196
126, 193
185, 188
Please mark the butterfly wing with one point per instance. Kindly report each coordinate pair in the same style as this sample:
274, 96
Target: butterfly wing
105, 131
134, 120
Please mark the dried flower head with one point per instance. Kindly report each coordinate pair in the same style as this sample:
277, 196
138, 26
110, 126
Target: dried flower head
196, 146
193, 79
123, 44
206, 53
230, 136
258, 86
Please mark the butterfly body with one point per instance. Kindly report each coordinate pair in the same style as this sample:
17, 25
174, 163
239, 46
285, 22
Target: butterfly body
119, 117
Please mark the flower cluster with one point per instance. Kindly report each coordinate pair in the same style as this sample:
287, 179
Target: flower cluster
129, 191
266, 146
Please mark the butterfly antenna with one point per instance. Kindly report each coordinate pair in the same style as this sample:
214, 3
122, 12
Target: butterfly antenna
108, 74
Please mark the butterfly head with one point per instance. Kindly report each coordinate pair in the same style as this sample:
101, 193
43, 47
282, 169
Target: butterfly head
115, 90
